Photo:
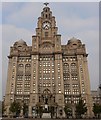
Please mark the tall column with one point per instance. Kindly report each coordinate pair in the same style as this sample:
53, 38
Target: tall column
34, 83
7, 95
88, 92
59, 83
84, 77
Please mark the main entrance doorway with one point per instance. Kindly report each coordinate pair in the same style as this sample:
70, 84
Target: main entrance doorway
46, 105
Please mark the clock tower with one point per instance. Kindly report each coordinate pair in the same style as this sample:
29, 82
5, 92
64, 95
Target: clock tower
46, 30
46, 45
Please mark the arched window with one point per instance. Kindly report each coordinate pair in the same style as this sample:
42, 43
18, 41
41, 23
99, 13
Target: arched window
66, 67
73, 67
20, 68
27, 68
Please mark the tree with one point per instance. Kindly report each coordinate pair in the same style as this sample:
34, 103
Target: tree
15, 108
52, 111
67, 110
39, 110
81, 108
97, 110
25, 109
3, 108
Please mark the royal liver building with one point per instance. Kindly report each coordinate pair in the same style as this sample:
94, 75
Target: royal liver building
48, 73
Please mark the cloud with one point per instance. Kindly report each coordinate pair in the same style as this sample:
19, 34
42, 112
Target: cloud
26, 16
84, 10
76, 24
12, 33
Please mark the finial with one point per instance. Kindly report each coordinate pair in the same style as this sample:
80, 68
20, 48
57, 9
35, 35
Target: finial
46, 3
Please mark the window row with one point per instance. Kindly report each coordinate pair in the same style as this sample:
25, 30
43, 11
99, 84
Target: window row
74, 101
27, 77
74, 76
45, 78
66, 77
46, 84
46, 58
48, 71
66, 85
24, 59
67, 91
27, 86
24, 92
75, 85
75, 91
19, 85
69, 59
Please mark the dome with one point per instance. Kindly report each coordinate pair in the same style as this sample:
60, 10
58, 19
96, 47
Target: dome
20, 43
74, 40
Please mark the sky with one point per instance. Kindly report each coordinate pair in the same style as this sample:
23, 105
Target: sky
73, 19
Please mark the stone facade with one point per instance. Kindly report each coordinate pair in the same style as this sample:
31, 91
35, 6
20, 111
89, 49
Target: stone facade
48, 73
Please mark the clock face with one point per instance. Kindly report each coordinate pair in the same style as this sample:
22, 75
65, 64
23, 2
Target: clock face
46, 25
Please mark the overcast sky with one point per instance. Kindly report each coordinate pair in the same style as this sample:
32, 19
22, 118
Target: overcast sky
80, 20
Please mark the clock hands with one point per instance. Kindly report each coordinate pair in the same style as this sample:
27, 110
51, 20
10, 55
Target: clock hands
46, 25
